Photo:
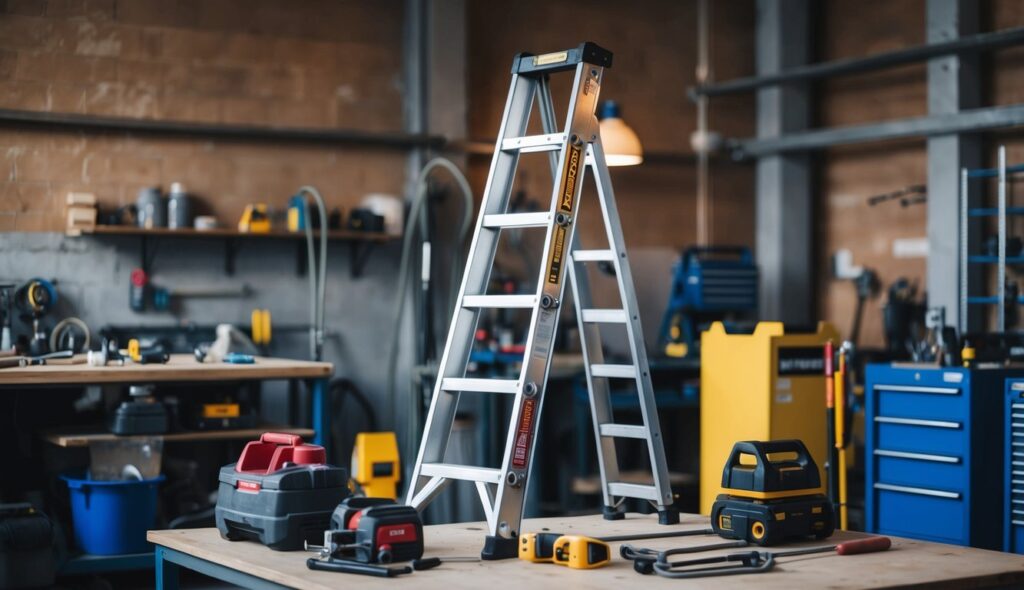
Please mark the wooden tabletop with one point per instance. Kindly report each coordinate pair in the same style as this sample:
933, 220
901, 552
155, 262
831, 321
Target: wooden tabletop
908, 563
182, 368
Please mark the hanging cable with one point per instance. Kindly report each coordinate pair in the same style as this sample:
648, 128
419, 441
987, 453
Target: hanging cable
317, 280
418, 209
702, 144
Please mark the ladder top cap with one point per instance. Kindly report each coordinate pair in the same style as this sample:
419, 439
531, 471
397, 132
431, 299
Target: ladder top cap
559, 61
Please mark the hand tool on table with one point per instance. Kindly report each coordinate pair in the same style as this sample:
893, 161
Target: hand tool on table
373, 530
840, 435
755, 562
831, 455
42, 359
548, 547
572, 150
346, 566
644, 559
771, 494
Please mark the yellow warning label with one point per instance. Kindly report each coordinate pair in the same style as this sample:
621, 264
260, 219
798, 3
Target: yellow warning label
557, 249
572, 168
567, 198
551, 58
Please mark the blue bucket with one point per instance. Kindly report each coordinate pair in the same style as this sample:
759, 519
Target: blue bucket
112, 517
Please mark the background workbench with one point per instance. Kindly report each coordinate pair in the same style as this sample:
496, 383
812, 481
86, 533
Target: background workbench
908, 563
181, 369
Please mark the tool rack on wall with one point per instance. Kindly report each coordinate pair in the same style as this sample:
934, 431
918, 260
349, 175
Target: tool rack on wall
1002, 211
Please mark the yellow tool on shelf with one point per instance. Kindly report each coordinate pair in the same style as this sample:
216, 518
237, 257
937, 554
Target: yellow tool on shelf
255, 219
375, 464
261, 333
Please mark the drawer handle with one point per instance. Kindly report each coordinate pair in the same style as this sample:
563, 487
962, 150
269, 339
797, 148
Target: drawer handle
918, 389
1017, 406
918, 422
1017, 522
919, 491
918, 456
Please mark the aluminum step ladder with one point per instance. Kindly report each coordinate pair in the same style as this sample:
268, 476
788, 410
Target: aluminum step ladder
573, 149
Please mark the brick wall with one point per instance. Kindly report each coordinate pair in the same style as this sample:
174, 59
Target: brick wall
310, 63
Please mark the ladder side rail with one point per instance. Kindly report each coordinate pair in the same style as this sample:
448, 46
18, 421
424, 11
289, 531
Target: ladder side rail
547, 118
598, 390
638, 347
580, 121
443, 405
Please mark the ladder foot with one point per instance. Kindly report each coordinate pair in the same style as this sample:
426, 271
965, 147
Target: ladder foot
668, 516
496, 547
613, 513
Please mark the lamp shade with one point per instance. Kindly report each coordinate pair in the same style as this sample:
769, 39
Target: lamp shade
621, 145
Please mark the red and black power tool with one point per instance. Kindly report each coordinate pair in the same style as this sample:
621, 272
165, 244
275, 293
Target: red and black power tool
370, 531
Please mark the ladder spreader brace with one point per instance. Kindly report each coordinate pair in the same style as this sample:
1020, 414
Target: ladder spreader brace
571, 151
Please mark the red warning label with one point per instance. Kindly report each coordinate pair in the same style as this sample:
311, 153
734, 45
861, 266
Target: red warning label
521, 451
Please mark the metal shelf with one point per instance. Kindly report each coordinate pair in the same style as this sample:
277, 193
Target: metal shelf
361, 242
384, 140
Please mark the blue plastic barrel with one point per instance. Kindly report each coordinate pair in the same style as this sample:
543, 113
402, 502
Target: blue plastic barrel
112, 517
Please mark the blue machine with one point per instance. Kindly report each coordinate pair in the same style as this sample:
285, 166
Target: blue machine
708, 284
932, 437
1013, 484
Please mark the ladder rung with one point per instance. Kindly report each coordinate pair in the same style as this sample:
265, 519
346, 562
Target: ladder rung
593, 256
605, 316
517, 219
496, 301
510, 386
534, 143
632, 490
461, 472
622, 371
623, 431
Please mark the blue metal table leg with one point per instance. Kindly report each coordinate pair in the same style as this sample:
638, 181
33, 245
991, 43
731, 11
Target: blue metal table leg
322, 415
166, 571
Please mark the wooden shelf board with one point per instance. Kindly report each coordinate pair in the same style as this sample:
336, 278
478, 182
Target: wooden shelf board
84, 439
334, 235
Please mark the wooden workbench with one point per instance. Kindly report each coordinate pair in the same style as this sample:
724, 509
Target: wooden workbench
908, 563
181, 368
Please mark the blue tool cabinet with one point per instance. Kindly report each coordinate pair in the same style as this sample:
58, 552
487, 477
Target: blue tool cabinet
934, 436
1013, 465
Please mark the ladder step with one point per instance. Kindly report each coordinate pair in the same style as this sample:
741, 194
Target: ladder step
632, 490
623, 431
534, 143
621, 371
461, 472
593, 256
496, 301
517, 220
509, 386
604, 316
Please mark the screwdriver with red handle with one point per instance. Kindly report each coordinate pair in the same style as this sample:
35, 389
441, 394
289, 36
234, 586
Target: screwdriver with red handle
869, 545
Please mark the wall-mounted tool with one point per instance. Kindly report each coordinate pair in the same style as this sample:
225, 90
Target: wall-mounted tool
865, 281
142, 414
909, 195
771, 494
708, 284
375, 464
35, 299
255, 219
281, 493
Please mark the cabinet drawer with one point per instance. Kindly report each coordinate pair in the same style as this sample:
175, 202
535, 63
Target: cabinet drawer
915, 435
932, 402
921, 513
944, 472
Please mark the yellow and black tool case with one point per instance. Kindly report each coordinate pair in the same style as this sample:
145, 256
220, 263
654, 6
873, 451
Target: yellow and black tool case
771, 495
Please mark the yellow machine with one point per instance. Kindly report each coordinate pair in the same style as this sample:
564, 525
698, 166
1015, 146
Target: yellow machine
767, 385
375, 464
